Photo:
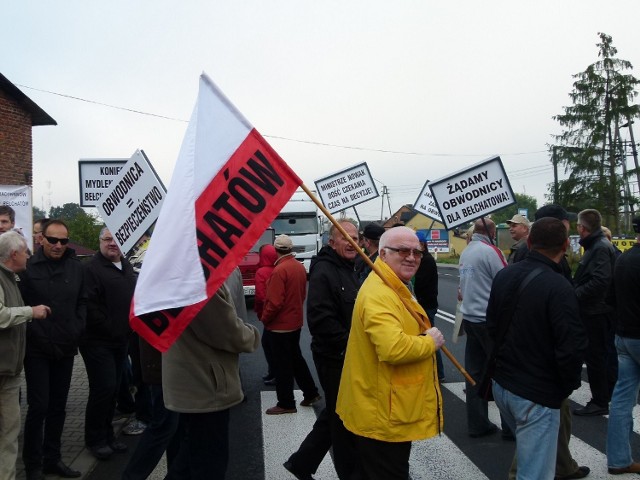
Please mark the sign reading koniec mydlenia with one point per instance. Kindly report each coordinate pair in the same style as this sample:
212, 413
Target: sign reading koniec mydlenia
132, 202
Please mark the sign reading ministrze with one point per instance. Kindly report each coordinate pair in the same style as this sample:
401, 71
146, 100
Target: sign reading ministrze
346, 188
426, 205
95, 177
132, 202
472, 193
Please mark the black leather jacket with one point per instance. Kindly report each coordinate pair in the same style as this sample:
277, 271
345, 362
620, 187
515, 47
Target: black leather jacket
594, 276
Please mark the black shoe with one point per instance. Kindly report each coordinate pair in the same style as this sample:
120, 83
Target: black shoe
34, 475
101, 452
591, 409
270, 381
581, 472
489, 431
118, 447
268, 376
61, 470
299, 475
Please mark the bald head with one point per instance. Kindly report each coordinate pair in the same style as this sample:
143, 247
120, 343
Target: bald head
489, 230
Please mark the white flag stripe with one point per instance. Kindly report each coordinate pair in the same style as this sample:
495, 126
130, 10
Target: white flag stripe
283, 434
215, 131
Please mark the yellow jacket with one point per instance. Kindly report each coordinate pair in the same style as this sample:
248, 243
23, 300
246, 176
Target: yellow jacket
389, 387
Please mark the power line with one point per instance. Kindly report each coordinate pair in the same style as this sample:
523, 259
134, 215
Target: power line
278, 137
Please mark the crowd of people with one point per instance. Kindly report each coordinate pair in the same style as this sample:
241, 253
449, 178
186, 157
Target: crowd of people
529, 325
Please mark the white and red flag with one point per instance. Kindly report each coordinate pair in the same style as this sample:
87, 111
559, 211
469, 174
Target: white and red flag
228, 185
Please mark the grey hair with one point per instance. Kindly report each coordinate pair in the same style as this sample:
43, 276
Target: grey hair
11, 242
102, 232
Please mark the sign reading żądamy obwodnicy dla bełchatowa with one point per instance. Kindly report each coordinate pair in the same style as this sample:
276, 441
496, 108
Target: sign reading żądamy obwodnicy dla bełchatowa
472, 193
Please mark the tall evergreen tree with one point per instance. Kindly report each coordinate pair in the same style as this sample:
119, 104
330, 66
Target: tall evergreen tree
589, 148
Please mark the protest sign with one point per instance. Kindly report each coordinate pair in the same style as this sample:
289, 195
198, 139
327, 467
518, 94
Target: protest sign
346, 188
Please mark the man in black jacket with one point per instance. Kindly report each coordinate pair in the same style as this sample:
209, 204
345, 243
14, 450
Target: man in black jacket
592, 282
333, 287
110, 282
53, 277
539, 359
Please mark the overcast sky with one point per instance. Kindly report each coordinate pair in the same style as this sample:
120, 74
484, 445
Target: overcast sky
417, 89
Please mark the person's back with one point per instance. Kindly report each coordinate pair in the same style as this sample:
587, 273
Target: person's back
266, 264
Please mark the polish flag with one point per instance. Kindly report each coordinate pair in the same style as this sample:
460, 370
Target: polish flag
228, 185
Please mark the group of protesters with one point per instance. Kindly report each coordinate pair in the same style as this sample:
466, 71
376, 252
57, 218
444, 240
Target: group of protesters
530, 326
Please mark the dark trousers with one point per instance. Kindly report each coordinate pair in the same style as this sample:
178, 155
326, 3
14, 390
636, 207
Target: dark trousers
156, 438
48, 383
204, 448
104, 367
476, 354
383, 460
597, 368
432, 318
289, 364
267, 352
328, 429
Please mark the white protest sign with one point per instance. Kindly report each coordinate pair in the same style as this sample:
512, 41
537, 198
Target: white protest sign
426, 205
132, 202
96, 176
18, 197
346, 188
472, 193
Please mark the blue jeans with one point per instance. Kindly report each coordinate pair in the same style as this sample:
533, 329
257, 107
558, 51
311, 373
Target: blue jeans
625, 395
536, 430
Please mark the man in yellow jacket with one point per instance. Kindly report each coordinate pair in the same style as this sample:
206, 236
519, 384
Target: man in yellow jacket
389, 393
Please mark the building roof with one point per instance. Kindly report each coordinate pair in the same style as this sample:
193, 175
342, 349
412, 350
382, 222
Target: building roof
38, 115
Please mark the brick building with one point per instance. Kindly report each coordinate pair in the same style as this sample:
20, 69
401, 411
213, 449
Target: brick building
18, 114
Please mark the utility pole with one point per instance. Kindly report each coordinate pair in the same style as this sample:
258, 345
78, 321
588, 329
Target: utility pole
634, 151
554, 158
384, 192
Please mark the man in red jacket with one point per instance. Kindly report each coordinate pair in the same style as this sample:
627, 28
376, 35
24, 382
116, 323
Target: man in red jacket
282, 318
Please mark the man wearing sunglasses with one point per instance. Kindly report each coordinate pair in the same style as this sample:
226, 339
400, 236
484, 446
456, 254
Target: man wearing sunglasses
389, 394
53, 277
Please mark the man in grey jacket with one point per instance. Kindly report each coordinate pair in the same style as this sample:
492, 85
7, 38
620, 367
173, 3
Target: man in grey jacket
13, 325
479, 264
201, 381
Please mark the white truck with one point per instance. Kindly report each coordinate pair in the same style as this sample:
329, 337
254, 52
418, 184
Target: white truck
300, 220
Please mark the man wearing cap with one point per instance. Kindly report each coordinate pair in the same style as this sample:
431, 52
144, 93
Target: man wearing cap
371, 239
282, 317
566, 466
333, 286
519, 231
625, 393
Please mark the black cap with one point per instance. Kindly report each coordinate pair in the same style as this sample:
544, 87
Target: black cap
555, 211
636, 224
373, 231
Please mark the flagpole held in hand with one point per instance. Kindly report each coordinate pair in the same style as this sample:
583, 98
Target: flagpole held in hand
367, 260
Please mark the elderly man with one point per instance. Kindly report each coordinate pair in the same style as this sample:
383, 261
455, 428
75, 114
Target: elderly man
282, 316
592, 282
333, 287
625, 393
540, 342
13, 325
54, 277
519, 231
389, 393
110, 282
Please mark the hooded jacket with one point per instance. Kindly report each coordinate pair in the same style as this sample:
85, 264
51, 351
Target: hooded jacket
13, 326
60, 285
333, 286
266, 264
389, 386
